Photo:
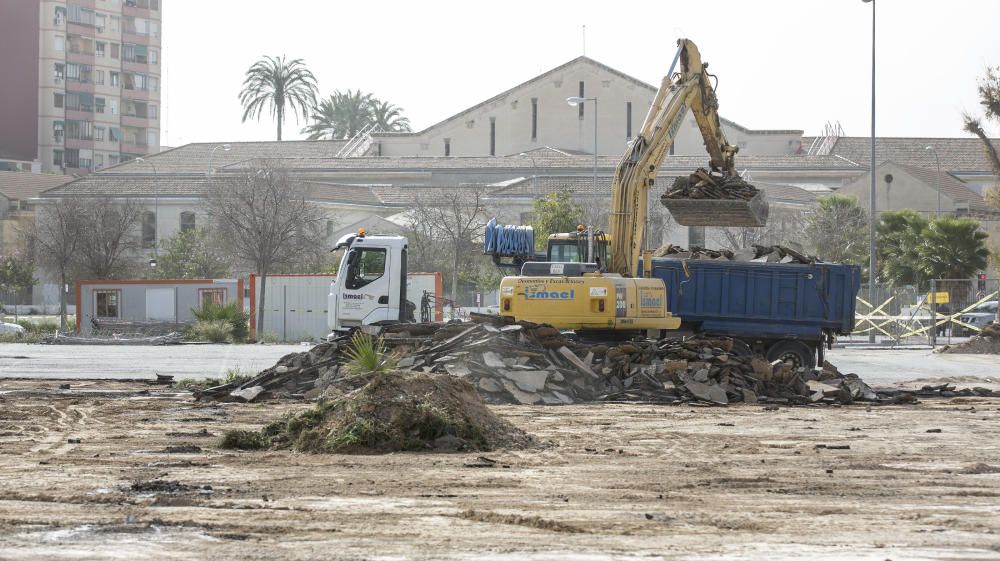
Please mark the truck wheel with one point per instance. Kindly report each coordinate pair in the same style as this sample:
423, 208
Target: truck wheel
797, 353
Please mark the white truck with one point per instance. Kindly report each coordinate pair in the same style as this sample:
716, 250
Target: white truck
371, 283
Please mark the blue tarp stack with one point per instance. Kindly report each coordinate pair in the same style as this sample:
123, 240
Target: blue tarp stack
508, 240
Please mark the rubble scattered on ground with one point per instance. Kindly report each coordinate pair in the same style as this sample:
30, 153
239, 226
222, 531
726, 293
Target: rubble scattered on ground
526, 363
173, 338
755, 253
986, 343
393, 411
703, 185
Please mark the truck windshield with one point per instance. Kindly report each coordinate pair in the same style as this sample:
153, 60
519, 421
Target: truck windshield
365, 265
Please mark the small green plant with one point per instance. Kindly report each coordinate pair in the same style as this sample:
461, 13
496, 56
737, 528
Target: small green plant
231, 313
237, 376
368, 355
245, 440
215, 331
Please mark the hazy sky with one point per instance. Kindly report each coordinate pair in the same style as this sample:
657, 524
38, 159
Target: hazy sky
781, 63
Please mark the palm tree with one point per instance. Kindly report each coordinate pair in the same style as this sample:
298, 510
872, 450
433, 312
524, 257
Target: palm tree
343, 114
900, 236
953, 248
324, 117
388, 117
277, 84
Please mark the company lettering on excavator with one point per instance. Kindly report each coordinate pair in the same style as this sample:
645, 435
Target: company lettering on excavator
586, 298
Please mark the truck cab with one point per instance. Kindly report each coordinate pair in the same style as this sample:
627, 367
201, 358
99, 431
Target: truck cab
370, 286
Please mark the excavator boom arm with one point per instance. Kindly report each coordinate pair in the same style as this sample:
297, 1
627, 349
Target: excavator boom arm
688, 90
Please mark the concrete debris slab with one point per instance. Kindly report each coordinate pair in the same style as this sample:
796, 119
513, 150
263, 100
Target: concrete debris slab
536, 364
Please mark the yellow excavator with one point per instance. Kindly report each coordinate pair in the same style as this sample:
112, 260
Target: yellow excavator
577, 296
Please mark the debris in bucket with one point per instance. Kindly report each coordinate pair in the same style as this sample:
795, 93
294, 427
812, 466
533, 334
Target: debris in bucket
703, 185
531, 364
755, 253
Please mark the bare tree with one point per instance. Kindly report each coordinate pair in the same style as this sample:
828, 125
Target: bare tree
264, 220
109, 237
55, 239
450, 223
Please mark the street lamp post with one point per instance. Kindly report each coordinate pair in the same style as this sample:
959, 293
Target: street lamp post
871, 207
156, 210
574, 101
211, 156
938, 162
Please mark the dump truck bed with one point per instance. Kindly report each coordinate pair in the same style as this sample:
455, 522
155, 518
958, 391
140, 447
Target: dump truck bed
765, 300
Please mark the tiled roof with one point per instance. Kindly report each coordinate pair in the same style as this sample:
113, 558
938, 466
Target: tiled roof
957, 155
776, 192
195, 157
343, 193
97, 185
949, 185
18, 185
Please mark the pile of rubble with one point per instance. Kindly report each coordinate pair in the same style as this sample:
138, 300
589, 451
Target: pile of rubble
986, 343
755, 253
526, 363
703, 185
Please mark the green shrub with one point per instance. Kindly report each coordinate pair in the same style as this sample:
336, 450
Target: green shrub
216, 331
244, 440
231, 313
46, 327
368, 355
237, 376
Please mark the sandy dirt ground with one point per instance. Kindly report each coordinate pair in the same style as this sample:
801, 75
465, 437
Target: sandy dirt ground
115, 470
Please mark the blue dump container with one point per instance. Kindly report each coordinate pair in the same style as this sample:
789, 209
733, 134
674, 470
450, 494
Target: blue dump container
782, 311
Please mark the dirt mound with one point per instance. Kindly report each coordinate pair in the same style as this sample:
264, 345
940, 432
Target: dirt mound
396, 411
986, 343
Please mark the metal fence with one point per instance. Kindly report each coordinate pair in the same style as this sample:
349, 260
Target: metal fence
949, 311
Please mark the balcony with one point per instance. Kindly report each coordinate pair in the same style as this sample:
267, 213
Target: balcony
80, 87
80, 57
79, 114
135, 66
135, 149
133, 121
79, 143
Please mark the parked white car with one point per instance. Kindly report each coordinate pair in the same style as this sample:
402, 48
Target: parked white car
11, 329
979, 317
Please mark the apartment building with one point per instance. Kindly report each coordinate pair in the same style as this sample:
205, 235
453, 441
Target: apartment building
81, 88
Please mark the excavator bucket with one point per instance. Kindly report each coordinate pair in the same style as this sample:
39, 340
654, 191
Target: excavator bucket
705, 199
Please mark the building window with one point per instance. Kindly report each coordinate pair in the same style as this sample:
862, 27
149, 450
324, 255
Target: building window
57, 131
628, 120
148, 229
99, 77
212, 296
115, 51
154, 56
187, 221
99, 104
580, 107
99, 134
100, 21
113, 106
98, 161
100, 48
534, 119
107, 304
114, 134
60, 16
57, 100
493, 136
60, 43
115, 79
57, 158
116, 25
447, 147
59, 72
